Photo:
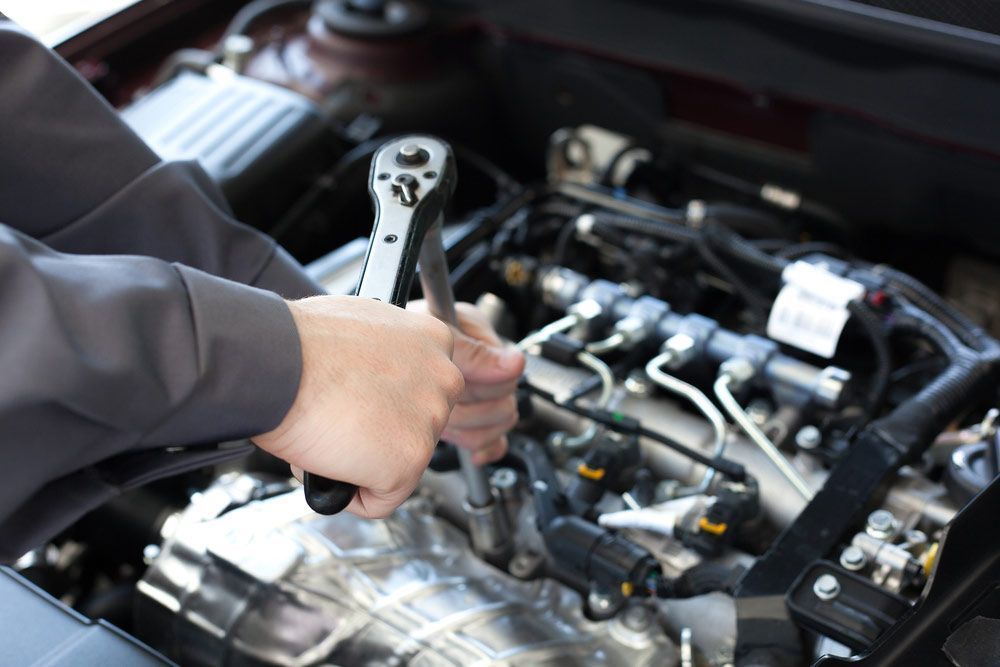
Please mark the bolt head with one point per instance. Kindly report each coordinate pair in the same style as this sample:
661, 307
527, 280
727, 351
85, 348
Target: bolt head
808, 437
150, 553
638, 385
826, 587
881, 524
503, 478
853, 558
585, 223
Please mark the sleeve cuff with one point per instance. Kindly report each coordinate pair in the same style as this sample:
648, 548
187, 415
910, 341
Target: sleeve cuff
249, 363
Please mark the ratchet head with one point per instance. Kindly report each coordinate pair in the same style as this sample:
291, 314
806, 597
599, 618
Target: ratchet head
411, 181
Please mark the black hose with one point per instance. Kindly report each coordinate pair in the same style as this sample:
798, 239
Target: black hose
668, 231
744, 219
757, 302
929, 301
874, 330
738, 248
797, 250
916, 421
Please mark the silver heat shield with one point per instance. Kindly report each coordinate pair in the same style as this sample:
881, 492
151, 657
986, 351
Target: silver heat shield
271, 583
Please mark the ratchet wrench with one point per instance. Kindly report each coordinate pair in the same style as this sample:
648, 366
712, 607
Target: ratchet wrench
411, 181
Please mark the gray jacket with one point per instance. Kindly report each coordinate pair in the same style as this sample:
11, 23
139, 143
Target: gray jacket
130, 339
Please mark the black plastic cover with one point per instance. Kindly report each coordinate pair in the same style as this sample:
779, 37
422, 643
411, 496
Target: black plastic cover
261, 143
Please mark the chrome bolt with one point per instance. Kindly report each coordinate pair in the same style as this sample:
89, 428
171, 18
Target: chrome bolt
853, 558
808, 438
638, 385
881, 524
826, 587
503, 479
150, 553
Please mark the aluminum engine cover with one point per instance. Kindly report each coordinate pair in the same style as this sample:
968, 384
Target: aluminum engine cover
273, 583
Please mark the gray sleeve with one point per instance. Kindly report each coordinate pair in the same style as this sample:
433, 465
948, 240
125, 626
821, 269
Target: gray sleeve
75, 176
110, 354
117, 368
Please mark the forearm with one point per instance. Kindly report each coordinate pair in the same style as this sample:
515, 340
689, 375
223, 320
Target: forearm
106, 355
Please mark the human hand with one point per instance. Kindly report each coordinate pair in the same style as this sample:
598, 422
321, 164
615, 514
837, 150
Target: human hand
487, 408
377, 387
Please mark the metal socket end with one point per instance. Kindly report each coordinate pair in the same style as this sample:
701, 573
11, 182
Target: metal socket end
490, 533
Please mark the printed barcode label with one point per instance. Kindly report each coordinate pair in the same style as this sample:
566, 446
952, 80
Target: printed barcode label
811, 309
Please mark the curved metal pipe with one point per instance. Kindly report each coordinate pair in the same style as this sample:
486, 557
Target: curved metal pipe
654, 369
607, 391
731, 405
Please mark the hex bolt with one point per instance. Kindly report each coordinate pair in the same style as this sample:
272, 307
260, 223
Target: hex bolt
853, 558
881, 524
150, 553
808, 438
503, 479
638, 385
827, 587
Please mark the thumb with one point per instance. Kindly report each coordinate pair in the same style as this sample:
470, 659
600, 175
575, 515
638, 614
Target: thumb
482, 363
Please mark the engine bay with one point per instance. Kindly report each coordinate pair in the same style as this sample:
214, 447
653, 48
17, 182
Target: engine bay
750, 432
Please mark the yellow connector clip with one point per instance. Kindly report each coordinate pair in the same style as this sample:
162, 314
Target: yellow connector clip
585, 471
707, 526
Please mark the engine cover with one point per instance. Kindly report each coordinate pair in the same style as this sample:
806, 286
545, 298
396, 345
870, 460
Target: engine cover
272, 583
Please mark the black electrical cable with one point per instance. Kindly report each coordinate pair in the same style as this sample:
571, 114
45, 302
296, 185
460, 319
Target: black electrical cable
930, 302
744, 219
727, 467
797, 250
874, 330
757, 303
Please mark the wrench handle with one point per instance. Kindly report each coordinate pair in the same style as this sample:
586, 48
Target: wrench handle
327, 496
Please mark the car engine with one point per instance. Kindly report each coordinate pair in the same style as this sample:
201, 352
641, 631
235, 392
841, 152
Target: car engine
746, 436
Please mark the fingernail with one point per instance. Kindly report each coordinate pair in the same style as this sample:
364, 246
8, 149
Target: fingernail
510, 358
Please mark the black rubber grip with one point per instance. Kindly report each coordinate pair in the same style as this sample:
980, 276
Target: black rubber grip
327, 496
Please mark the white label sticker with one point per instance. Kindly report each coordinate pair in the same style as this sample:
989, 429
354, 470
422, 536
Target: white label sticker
811, 309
